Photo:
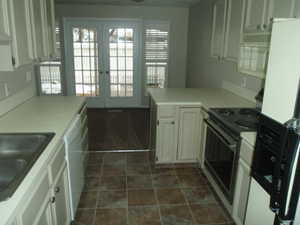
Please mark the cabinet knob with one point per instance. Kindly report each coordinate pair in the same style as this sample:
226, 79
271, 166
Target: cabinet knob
52, 199
173, 122
265, 26
57, 190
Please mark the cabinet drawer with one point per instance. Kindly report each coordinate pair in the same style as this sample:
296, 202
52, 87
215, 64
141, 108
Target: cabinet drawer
56, 163
38, 197
246, 152
166, 111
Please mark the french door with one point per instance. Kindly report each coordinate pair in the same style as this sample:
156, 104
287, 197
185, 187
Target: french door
102, 62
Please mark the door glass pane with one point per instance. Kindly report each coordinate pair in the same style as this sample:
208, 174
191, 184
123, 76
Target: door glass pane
121, 47
85, 53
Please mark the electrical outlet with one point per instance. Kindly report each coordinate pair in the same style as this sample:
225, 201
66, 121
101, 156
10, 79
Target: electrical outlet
28, 76
244, 82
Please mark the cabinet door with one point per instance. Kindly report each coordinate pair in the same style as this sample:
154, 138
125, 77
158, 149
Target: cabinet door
233, 29
37, 29
296, 10
218, 29
48, 21
189, 134
282, 9
44, 217
241, 192
18, 29
256, 15
166, 141
60, 206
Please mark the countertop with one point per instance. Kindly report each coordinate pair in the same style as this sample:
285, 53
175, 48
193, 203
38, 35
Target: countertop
39, 114
205, 97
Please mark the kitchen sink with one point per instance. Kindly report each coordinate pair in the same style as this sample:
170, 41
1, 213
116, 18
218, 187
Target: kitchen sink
18, 153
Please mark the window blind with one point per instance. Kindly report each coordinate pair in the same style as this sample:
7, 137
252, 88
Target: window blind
156, 54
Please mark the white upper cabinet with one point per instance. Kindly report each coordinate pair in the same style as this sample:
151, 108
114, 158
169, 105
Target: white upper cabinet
256, 15
218, 29
233, 29
282, 9
14, 24
37, 29
296, 11
27, 32
49, 27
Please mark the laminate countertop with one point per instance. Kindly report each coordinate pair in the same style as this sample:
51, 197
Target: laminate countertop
38, 114
205, 97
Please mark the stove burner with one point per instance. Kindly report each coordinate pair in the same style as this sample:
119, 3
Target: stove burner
246, 124
226, 112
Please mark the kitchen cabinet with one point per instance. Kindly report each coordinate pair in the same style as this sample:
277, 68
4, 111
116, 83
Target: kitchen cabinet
42, 26
242, 185
49, 28
60, 201
167, 133
189, 127
282, 9
48, 203
297, 9
218, 29
175, 133
257, 16
37, 209
233, 29
14, 26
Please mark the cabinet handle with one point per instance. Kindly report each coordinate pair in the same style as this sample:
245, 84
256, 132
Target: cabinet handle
173, 122
57, 190
52, 199
265, 26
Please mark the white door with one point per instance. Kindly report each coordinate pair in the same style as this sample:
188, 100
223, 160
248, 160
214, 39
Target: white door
101, 62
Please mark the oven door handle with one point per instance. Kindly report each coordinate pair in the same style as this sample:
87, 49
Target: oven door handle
225, 138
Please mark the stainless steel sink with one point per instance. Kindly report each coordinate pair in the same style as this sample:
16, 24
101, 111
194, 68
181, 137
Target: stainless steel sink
18, 153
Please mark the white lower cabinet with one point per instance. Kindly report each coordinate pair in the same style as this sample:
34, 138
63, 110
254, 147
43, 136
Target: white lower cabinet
242, 185
241, 193
175, 133
189, 133
48, 202
60, 201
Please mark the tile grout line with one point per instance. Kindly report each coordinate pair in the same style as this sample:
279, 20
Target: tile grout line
156, 197
126, 189
98, 191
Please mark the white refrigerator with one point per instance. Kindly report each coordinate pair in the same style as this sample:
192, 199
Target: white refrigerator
280, 100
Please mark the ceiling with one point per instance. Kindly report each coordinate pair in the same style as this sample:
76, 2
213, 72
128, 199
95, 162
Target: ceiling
178, 3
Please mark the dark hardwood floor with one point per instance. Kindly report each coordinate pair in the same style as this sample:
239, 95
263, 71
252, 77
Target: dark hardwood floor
118, 129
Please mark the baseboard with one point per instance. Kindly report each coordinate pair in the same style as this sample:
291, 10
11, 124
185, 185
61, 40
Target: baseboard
240, 91
13, 101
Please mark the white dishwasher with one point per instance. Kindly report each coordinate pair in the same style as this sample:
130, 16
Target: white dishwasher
75, 166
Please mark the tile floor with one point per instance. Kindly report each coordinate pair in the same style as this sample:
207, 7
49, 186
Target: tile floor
126, 189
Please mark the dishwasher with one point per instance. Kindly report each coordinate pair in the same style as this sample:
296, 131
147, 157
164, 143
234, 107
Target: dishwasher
74, 157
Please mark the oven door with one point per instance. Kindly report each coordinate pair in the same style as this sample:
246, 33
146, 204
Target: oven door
221, 157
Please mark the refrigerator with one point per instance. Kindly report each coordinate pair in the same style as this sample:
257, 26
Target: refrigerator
275, 171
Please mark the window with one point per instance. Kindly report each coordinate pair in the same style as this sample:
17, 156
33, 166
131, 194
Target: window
50, 78
156, 54
85, 51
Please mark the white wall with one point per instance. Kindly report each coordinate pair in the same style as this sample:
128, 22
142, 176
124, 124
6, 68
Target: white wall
204, 71
19, 89
177, 16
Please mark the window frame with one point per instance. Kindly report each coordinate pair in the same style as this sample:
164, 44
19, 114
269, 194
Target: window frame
155, 23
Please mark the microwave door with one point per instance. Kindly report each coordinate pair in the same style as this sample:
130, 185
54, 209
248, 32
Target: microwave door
290, 182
